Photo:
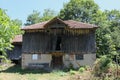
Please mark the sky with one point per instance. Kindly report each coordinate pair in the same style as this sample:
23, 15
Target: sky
20, 9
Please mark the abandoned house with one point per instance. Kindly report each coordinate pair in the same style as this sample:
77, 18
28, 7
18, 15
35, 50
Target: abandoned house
58, 43
15, 54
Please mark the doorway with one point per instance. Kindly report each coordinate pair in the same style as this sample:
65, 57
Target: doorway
57, 61
58, 43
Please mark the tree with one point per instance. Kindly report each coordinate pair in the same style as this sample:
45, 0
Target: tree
8, 30
80, 10
107, 36
114, 20
47, 15
35, 17
17, 22
113, 17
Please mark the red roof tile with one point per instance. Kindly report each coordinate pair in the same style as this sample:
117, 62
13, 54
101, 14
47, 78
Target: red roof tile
76, 24
69, 23
35, 26
17, 39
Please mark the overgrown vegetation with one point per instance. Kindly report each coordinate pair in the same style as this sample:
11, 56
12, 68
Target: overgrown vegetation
8, 30
104, 68
13, 72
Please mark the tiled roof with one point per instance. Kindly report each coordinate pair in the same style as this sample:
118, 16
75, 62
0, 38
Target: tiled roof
69, 23
35, 26
76, 24
17, 39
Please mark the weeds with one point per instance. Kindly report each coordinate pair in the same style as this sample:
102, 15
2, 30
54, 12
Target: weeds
81, 69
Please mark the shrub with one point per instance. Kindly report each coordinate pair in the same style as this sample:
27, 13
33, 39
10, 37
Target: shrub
102, 65
88, 68
81, 69
72, 72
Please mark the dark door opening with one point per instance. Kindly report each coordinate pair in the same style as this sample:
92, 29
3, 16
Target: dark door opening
58, 43
57, 61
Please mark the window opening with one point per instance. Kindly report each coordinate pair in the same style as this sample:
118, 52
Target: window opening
58, 43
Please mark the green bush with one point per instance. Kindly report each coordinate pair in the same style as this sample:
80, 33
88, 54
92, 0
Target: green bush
102, 65
72, 72
81, 69
87, 68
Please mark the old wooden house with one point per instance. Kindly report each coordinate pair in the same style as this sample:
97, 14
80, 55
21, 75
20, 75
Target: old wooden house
58, 43
15, 54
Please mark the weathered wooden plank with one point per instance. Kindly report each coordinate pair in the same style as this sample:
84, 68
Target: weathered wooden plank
71, 41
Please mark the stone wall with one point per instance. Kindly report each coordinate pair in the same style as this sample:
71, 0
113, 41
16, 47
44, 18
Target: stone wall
88, 59
44, 60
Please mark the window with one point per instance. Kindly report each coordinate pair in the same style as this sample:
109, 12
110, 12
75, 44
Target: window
79, 56
35, 57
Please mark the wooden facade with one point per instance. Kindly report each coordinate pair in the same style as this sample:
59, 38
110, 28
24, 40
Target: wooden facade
16, 52
58, 38
45, 42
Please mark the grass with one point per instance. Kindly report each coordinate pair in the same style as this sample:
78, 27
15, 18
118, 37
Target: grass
14, 72
17, 69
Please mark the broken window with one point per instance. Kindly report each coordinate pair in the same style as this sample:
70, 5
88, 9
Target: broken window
79, 56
